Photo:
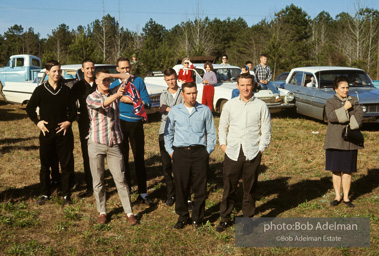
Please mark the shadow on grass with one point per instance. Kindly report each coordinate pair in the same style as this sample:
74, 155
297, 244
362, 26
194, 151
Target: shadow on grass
8, 149
7, 114
15, 140
365, 184
20, 194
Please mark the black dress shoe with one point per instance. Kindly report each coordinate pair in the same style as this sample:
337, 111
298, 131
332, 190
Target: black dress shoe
190, 205
67, 201
197, 224
349, 204
85, 194
170, 201
335, 202
181, 224
146, 200
42, 200
222, 226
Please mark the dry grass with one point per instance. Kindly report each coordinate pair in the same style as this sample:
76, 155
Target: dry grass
293, 183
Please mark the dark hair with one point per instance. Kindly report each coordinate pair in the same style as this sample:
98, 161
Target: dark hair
245, 67
103, 71
188, 85
170, 72
208, 64
224, 55
122, 59
263, 55
245, 76
338, 80
87, 60
249, 62
51, 63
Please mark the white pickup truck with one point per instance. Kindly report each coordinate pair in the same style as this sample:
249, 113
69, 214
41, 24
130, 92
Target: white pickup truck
223, 89
19, 89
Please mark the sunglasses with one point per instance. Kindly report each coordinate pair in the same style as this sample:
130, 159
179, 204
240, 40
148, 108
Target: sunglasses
186, 62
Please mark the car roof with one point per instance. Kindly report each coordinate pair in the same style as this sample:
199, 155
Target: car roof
201, 65
323, 68
78, 66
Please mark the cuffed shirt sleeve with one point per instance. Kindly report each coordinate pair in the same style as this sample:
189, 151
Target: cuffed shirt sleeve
342, 115
169, 133
223, 125
211, 131
265, 128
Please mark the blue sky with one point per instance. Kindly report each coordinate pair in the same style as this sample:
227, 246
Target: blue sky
44, 16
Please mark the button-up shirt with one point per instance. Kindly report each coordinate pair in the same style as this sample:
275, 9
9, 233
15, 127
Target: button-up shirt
169, 100
184, 129
263, 73
246, 124
104, 121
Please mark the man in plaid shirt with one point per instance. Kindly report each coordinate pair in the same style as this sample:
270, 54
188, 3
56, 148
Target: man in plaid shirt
264, 76
104, 138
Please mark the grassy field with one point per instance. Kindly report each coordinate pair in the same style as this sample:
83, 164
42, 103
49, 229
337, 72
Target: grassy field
292, 183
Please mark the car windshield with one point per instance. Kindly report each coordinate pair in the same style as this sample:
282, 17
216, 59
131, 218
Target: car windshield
357, 78
227, 74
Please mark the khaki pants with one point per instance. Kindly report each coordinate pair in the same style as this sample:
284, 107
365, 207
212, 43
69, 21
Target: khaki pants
97, 154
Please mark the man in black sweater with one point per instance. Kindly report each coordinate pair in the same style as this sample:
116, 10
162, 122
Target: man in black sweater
57, 112
80, 91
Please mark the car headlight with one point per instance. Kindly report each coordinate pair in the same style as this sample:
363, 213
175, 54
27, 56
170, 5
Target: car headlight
289, 97
364, 108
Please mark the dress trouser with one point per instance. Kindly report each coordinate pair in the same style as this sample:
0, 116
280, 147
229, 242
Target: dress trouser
190, 165
97, 154
232, 172
133, 133
83, 132
62, 146
208, 93
167, 168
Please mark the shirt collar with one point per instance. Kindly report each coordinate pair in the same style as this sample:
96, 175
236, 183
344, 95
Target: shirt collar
251, 99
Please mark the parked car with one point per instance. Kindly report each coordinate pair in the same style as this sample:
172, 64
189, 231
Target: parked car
281, 80
20, 92
311, 97
227, 80
376, 83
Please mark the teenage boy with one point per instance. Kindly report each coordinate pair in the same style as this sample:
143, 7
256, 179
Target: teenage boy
57, 112
80, 92
104, 139
244, 133
132, 128
190, 138
264, 75
169, 98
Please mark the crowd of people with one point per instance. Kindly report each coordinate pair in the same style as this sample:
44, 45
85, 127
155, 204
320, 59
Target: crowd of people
111, 116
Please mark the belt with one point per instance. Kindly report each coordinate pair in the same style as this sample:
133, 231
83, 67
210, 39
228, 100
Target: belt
190, 147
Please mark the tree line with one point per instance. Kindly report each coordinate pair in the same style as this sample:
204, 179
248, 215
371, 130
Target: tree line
290, 39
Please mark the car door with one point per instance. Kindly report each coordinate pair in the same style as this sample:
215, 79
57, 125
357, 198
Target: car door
302, 96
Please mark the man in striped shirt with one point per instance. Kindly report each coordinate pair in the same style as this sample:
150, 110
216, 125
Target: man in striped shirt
103, 141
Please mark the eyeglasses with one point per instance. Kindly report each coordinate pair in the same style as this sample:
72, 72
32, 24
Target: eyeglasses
186, 62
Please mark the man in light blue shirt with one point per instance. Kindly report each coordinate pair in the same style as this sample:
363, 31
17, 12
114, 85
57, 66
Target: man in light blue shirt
189, 138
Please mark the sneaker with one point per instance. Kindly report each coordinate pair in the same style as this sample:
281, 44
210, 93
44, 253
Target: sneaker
132, 220
42, 200
170, 201
102, 219
222, 226
181, 224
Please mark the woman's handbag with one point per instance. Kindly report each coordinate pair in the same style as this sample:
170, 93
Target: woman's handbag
353, 136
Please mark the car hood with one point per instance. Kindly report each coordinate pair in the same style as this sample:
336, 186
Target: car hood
364, 95
155, 89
